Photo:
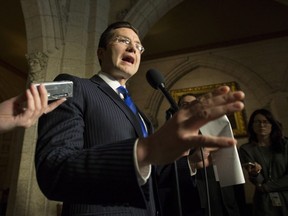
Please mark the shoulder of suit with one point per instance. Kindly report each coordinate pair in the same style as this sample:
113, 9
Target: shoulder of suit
65, 76
70, 77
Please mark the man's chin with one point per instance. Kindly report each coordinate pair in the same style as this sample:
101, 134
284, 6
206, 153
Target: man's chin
121, 75
126, 74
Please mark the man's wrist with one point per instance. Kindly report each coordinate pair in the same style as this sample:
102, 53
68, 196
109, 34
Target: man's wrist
143, 172
141, 152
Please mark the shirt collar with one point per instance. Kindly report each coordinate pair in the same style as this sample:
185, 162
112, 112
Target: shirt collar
114, 84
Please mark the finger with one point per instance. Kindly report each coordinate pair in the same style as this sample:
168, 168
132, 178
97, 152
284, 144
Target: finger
210, 106
218, 111
54, 105
211, 99
37, 100
209, 141
206, 153
30, 106
198, 115
24, 113
211, 149
34, 106
43, 96
218, 91
230, 97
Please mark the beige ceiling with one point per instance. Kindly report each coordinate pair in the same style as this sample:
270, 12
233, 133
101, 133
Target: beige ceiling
204, 24
191, 26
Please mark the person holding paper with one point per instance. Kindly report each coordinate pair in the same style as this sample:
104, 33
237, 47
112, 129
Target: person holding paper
265, 158
225, 201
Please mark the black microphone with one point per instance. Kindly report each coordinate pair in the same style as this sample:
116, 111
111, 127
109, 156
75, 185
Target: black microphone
156, 80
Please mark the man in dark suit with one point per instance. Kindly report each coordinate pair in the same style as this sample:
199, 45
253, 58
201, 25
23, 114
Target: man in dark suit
91, 151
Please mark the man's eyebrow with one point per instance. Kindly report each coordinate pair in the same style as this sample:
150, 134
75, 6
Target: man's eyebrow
129, 39
123, 36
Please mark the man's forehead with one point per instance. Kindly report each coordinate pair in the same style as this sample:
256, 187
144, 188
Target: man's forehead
126, 32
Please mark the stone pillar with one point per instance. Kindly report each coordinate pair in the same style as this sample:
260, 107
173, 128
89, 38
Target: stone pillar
37, 62
57, 33
25, 197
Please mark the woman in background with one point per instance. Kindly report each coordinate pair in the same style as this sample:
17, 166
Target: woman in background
265, 158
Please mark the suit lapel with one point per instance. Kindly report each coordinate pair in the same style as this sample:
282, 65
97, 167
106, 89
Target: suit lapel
103, 86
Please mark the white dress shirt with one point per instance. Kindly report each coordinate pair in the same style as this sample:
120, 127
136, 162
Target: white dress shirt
143, 173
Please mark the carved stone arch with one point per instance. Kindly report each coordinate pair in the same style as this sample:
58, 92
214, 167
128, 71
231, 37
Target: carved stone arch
241, 73
45, 19
225, 65
145, 13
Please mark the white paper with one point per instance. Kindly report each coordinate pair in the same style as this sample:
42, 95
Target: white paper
226, 162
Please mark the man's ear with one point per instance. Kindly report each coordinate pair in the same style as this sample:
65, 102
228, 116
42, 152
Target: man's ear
100, 53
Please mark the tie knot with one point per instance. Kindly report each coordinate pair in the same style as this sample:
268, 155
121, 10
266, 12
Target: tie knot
123, 91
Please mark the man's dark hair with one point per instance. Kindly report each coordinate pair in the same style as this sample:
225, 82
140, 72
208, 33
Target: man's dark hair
108, 33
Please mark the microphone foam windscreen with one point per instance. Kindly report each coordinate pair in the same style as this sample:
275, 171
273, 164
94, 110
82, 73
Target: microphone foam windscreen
154, 78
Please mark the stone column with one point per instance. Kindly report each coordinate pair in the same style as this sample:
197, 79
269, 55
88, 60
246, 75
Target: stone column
37, 62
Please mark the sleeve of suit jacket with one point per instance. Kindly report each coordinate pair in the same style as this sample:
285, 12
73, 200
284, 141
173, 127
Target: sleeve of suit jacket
84, 149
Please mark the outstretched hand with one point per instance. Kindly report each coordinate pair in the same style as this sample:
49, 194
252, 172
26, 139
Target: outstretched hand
25, 109
180, 133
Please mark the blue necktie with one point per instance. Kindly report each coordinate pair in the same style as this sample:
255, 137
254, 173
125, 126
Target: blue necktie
128, 101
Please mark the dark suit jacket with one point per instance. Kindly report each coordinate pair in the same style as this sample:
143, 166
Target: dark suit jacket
84, 153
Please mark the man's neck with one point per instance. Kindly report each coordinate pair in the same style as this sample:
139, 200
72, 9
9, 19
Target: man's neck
112, 78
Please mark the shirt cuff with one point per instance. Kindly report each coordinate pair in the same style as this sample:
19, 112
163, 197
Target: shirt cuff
143, 173
192, 172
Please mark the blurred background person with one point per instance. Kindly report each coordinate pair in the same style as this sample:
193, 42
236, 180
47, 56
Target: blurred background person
265, 158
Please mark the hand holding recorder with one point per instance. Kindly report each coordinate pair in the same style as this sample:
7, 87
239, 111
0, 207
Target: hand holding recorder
25, 109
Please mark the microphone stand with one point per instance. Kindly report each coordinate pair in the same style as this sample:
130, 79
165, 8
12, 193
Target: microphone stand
168, 96
177, 188
174, 108
156, 80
